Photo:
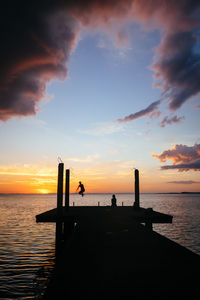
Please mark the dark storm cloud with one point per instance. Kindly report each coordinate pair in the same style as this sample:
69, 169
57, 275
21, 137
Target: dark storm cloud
178, 66
37, 38
35, 45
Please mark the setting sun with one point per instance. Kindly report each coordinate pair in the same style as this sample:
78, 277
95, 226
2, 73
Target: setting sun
43, 191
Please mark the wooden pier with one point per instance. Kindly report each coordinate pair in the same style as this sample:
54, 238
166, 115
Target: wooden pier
125, 214
112, 252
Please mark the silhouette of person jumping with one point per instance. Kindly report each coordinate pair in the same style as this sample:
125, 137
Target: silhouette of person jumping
82, 189
113, 201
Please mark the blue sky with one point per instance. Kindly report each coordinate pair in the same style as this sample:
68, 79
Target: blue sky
77, 120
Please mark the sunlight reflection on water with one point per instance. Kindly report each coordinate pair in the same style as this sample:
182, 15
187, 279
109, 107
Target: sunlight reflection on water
27, 249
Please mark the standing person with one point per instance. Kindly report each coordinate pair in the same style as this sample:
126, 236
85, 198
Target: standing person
113, 201
82, 189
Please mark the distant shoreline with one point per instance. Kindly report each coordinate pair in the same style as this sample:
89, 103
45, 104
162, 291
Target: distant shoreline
181, 193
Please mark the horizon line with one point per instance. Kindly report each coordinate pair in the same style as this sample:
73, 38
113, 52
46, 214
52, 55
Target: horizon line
184, 192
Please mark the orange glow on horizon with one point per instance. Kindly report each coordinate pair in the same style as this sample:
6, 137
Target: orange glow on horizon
43, 180
43, 191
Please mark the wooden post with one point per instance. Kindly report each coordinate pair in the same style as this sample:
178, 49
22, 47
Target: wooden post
60, 186
68, 226
137, 191
59, 203
67, 189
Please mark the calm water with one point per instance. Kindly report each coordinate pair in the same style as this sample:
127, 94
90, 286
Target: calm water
27, 249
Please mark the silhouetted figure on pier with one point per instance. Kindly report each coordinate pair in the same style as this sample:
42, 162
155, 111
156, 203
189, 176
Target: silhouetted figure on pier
113, 201
82, 189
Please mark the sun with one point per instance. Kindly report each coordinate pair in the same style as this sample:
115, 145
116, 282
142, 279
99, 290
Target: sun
43, 191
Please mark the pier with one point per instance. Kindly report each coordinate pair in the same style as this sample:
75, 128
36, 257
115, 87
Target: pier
112, 252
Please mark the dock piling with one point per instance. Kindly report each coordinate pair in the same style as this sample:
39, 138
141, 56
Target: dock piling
137, 191
60, 186
68, 226
59, 204
67, 189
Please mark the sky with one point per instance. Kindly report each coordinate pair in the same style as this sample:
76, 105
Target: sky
107, 86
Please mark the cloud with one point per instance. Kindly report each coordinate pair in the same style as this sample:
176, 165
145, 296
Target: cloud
177, 65
37, 39
28, 170
184, 157
184, 182
103, 128
184, 167
35, 46
172, 120
144, 112
180, 153
89, 158
177, 61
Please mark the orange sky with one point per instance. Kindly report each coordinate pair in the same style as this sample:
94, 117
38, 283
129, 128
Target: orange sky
43, 179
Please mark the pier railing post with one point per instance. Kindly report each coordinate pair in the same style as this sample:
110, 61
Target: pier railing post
67, 181
137, 191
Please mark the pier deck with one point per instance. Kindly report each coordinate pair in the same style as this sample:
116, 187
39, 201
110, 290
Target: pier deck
111, 255
78, 213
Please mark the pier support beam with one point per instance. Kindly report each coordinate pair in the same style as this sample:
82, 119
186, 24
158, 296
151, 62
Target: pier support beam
137, 191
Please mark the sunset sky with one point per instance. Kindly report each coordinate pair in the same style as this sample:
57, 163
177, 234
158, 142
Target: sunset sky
107, 86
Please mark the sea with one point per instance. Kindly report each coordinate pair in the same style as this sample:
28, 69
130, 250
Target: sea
27, 248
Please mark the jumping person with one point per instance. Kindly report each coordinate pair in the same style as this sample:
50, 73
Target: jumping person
82, 189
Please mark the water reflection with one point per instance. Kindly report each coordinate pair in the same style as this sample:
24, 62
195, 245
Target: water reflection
27, 248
